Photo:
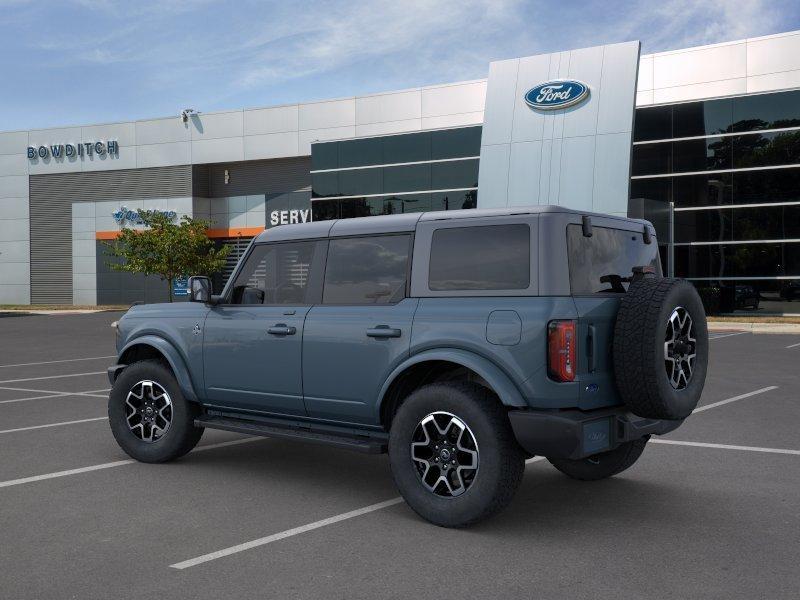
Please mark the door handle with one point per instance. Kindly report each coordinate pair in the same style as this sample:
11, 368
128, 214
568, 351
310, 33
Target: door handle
282, 329
592, 348
383, 331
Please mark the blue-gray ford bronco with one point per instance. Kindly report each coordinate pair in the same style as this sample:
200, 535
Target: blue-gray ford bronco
461, 342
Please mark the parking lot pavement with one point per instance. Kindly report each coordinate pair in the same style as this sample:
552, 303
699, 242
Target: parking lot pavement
248, 517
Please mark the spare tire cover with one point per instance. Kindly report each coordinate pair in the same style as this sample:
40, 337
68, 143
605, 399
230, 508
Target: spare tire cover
660, 348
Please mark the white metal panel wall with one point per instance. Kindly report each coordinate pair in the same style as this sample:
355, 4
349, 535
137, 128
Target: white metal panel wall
14, 220
764, 64
577, 156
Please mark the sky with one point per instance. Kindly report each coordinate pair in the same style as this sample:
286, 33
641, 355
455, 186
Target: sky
72, 62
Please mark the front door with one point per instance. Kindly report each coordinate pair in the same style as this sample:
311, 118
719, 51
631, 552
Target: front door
252, 350
362, 329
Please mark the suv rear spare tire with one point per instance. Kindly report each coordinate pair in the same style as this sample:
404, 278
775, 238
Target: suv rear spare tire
661, 348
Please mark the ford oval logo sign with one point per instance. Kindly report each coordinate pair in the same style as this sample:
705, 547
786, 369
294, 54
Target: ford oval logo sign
556, 94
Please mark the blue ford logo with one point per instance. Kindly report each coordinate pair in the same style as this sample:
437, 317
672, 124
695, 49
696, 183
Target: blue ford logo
556, 94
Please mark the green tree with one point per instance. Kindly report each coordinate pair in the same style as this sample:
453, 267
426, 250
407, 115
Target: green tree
167, 249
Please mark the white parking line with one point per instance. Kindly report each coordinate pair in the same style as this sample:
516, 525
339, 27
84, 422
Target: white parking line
51, 362
52, 394
192, 562
53, 377
734, 399
726, 446
117, 463
53, 425
724, 335
792, 346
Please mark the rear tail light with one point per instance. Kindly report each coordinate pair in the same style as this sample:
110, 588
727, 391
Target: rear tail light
561, 350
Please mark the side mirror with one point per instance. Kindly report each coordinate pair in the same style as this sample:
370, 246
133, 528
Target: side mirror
200, 289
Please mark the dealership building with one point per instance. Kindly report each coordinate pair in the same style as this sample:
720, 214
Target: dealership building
704, 142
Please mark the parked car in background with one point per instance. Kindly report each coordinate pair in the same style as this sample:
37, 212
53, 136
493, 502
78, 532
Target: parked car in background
791, 291
747, 297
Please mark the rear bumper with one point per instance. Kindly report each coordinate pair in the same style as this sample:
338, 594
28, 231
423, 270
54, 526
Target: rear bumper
577, 434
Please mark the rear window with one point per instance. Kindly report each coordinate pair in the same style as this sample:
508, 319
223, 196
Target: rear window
489, 257
604, 262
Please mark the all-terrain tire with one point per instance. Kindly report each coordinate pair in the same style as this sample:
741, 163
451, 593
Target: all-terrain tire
181, 435
642, 373
500, 461
606, 464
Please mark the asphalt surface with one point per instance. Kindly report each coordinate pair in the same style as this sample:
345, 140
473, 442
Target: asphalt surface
78, 519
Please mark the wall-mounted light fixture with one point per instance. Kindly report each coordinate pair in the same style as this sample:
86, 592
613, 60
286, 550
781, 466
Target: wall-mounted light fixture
227, 177
186, 113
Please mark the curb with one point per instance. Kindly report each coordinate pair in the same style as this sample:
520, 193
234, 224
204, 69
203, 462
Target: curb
754, 327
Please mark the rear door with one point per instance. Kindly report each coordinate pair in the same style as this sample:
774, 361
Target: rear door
362, 329
600, 267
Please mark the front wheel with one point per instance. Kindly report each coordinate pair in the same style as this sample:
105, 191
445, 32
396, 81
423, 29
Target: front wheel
149, 417
453, 454
606, 464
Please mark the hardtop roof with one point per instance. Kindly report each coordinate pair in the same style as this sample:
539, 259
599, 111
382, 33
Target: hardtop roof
401, 223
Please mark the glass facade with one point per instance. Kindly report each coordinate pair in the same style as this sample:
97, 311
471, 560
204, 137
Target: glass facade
728, 173
413, 172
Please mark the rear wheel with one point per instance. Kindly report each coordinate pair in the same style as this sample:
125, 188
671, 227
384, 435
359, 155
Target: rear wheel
149, 417
602, 465
453, 455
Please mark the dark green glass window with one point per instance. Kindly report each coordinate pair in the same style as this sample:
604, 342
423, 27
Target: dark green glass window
772, 185
702, 190
738, 260
766, 149
651, 159
414, 147
455, 174
359, 153
407, 178
766, 111
325, 184
653, 124
455, 143
325, 156
702, 155
361, 181
702, 118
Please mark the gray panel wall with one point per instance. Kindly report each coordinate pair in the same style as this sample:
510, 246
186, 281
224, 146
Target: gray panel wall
578, 156
51, 198
258, 177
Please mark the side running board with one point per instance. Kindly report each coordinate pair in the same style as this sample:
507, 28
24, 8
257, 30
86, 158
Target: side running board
367, 445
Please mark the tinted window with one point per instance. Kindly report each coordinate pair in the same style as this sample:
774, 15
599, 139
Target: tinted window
602, 262
659, 190
454, 200
778, 185
702, 190
410, 178
738, 260
325, 156
325, 184
653, 124
766, 111
455, 174
651, 159
702, 155
369, 270
324, 210
767, 149
701, 118
454, 143
275, 274
414, 147
492, 257
358, 153
360, 181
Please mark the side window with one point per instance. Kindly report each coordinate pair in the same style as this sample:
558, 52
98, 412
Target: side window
487, 257
604, 262
367, 270
275, 274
